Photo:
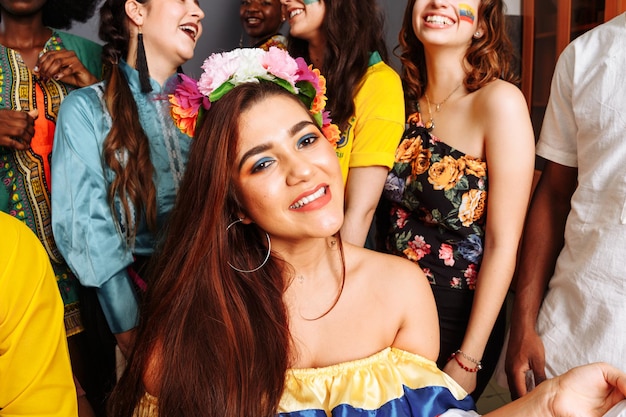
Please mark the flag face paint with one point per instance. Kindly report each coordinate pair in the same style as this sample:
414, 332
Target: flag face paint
466, 12
307, 2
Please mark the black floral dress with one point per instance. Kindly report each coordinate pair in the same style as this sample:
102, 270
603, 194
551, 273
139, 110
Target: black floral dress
437, 197
434, 210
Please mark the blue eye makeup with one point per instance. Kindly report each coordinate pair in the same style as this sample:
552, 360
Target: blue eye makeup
262, 164
307, 140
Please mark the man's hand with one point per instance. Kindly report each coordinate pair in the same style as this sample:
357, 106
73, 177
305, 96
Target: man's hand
64, 66
525, 354
17, 128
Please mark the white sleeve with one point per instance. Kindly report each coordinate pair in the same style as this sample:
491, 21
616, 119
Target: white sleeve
619, 410
459, 413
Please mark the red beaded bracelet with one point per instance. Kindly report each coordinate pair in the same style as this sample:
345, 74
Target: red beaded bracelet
465, 368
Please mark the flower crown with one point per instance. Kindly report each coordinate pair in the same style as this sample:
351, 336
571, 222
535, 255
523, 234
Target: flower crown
225, 71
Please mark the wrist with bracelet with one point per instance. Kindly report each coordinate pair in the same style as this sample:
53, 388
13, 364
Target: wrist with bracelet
476, 362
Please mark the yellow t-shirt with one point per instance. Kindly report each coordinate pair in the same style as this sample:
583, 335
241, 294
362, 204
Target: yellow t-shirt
35, 372
377, 125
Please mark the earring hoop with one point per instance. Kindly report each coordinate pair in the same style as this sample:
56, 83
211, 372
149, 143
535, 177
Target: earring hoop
267, 257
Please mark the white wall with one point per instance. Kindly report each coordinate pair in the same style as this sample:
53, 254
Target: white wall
513, 7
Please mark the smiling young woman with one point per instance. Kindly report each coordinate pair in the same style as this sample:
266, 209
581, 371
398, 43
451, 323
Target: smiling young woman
257, 307
468, 150
118, 153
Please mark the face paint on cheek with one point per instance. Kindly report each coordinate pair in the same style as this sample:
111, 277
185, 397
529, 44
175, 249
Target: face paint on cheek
467, 13
307, 2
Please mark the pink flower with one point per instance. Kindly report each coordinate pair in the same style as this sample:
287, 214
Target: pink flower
188, 95
455, 282
470, 276
417, 249
306, 73
279, 63
326, 120
186, 102
446, 254
218, 68
401, 216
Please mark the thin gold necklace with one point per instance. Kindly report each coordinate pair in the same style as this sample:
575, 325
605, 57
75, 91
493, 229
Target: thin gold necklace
430, 124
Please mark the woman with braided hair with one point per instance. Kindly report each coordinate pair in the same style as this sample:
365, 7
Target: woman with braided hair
118, 156
39, 66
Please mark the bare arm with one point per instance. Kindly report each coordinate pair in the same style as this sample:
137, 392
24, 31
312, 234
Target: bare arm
543, 240
586, 391
419, 330
509, 150
363, 190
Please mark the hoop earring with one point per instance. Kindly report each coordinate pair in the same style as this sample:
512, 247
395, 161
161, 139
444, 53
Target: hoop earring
267, 257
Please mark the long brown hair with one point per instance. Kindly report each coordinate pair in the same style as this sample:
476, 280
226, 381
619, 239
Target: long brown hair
221, 337
126, 149
488, 57
354, 29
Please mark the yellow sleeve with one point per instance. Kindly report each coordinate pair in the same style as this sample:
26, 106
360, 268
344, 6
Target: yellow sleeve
148, 406
378, 122
35, 372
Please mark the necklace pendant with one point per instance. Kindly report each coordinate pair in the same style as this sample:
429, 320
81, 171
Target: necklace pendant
437, 107
430, 125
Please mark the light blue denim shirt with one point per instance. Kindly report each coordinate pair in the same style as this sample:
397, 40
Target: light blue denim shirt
84, 227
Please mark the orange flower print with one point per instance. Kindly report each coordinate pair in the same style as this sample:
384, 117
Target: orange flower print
472, 206
475, 167
422, 162
445, 174
407, 149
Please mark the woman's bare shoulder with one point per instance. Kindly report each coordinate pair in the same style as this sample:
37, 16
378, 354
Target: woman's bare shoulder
404, 292
391, 272
499, 97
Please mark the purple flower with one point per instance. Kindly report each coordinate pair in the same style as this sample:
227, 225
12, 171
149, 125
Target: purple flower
188, 95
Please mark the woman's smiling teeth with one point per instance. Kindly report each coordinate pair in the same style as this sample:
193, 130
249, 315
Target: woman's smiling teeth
190, 30
439, 20
309, 199
295, 13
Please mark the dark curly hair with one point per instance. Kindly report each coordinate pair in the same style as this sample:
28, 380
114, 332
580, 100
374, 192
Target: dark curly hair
489, 57
354, 29
60, 14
